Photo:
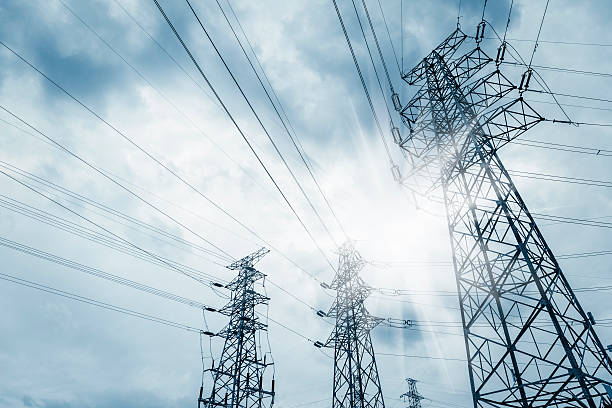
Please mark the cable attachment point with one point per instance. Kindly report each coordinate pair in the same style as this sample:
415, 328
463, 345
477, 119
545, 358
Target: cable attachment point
396, 135
525, 81
395, 170
480, 32
501, 51
396, 102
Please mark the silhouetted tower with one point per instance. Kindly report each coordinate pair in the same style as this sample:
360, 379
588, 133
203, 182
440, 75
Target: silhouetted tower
238, 378
356, 382
529, 342
412, 396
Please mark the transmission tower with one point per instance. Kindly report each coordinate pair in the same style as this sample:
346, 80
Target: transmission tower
529, 342
238, 378
356, 382
412, 396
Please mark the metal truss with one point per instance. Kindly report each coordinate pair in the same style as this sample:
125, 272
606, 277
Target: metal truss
356, 382
238, 378
412, 396
529, 342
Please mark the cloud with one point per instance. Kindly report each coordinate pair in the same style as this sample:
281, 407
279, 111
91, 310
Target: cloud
62, 353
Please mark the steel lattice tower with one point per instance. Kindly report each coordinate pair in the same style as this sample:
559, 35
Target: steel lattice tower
356, 382
529, 342
412, 396
238, 378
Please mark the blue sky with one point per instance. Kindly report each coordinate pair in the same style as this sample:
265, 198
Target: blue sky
60, 353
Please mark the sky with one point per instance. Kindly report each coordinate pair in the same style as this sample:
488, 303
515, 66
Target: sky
120, 60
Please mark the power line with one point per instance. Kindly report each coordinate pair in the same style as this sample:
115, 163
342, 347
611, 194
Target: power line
363, 84
590, 44
157, 90
535, 46
88, 164
389, 36
98, 238
382, 92
286, 130
107, 212
295, 137
559, 69
278, 152
178, 36
47, 256
380, 54
103, 305
103, 228
157, 161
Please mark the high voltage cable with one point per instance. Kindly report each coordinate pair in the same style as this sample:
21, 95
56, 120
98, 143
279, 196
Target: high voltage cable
101, 239
363, 84
102, 228
590, 98
128, 190
101, 274
278, 152
301, 149
91, 235
107, 210
142, 189
561, 179
567, 70
286, 130
157, 90
66, 150
535, 46
165, 167
380, 54
382, 92
98, 303
389, 36
178, 36
557, 42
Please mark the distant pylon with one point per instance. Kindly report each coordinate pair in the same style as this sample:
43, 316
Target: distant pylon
238, 378
412, 396
356, 382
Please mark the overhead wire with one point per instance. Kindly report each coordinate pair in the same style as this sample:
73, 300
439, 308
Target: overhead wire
110, 213
156, 89
128, 182
363, 83
47, 256
240, 131
535, 46
91, 166
161, 164
287, 131
508, 21
382, 92
100, 304
557, 42
300, 149
380, 54
98, 238
278, 152
382, 13
137, 247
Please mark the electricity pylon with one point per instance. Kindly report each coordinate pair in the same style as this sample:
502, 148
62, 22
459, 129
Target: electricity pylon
412, 396
529, 342
238, 378
356, 382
